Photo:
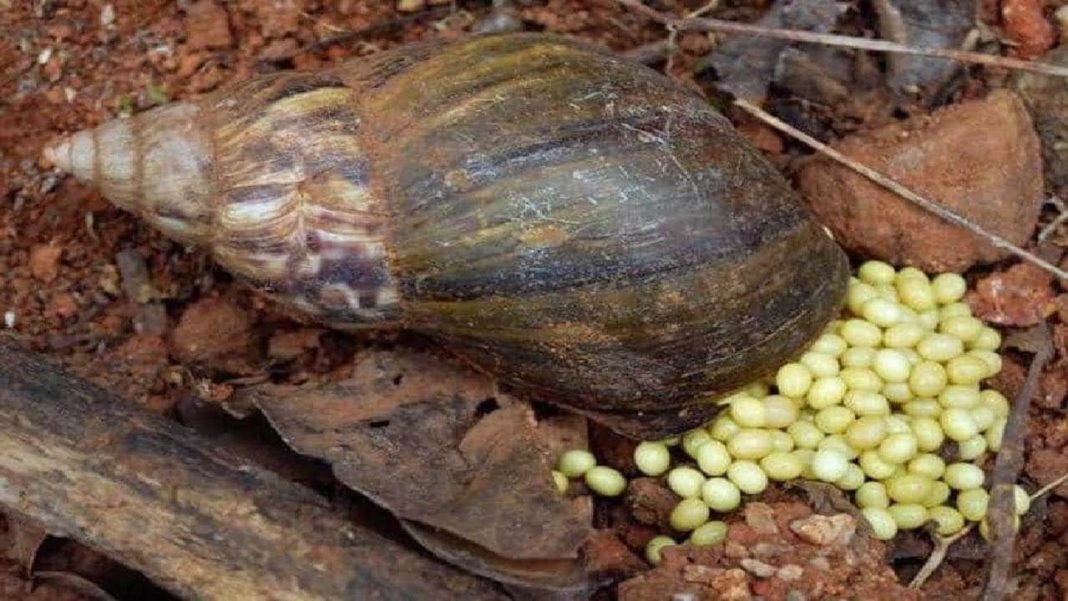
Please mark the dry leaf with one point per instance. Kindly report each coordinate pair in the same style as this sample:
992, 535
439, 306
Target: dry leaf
438, 446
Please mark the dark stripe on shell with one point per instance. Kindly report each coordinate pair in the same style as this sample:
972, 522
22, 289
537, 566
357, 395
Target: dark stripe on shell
295, 84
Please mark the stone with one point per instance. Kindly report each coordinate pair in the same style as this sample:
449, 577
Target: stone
761, 518
822, 530
758, 568
980, 159
604, 553
732, 585
735, 550
44, 262
769, 550
790, 572
208, 25
650, 502
209, 329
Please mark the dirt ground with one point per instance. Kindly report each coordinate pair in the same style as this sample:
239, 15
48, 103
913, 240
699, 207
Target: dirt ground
157, 323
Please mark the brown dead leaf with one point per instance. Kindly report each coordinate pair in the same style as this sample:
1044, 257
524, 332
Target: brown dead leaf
20, 540
613, 450
606, 554
561, 432
544, 574
1021, 295
437, 446
75, 583
826, 498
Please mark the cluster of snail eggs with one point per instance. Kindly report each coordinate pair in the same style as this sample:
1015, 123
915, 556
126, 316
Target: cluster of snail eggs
871, 407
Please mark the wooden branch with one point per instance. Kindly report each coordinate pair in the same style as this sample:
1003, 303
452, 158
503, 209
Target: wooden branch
201, 523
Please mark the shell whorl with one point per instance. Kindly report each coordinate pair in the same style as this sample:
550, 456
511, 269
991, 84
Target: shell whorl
157, 165
270, 176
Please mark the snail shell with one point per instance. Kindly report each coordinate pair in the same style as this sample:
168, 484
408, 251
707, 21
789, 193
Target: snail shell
575, 223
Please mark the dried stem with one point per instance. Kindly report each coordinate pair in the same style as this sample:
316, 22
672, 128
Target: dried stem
943, 543
827, 39
1010, 459
1052, 226
937, 556
1050, 486
900, 190
673, 32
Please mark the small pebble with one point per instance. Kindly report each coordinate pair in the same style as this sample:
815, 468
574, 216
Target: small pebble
825, 530
761, 518
107, 15
758, 568
769, 550
790, 572
821, 563
735, 550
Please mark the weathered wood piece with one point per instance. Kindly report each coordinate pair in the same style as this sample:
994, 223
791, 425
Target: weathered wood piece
200, 522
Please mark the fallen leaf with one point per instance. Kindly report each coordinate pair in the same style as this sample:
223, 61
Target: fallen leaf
437, 446
543, 574
20, 540
745, 65
76, 584
923, 24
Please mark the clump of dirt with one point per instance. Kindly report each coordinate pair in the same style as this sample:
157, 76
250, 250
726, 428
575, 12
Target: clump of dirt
780, 551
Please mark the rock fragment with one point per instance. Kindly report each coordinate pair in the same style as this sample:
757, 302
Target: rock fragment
980, 159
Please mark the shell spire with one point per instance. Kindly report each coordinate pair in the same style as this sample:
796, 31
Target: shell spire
156, 164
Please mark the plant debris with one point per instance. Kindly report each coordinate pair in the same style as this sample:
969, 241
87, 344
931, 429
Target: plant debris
441, 448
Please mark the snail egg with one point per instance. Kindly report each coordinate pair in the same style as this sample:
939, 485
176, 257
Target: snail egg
721, 494
709, 533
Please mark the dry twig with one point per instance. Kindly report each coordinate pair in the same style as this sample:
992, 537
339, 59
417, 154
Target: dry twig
943, 543
1052, 226
1050, 486
900, 190
937, 556
1001, 517
845, 41
673, 32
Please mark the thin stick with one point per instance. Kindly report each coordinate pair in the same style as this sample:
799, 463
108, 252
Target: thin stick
942, 544
907, 194
1050, 486
1010, 459
937, 556
1053, 225
673, 33
829, 39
